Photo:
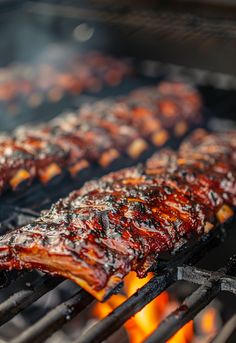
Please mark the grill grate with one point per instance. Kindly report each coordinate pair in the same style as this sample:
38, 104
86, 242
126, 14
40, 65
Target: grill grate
26, 296
54, 319
212, 283
168, 272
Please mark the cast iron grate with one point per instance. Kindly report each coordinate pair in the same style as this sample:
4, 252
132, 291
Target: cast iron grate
168, 272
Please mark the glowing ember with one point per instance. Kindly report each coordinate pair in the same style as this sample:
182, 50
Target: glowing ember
146, 321
208, 325
208, 321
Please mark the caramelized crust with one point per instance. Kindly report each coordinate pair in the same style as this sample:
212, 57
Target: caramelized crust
124, 220
97, 133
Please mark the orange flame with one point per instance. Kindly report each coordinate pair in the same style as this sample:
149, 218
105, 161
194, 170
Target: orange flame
209, 324
146, 321
208, 321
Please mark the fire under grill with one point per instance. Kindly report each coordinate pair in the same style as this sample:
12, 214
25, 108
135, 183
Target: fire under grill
168, 271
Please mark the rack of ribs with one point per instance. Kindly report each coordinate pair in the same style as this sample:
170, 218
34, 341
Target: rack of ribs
58, 73
126, 219
97, 133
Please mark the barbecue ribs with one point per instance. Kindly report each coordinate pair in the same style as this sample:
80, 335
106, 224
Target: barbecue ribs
124, 220
97, 133
58, 73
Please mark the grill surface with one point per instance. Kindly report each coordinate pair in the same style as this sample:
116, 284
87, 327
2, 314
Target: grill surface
196, 35
169, 271
219, 99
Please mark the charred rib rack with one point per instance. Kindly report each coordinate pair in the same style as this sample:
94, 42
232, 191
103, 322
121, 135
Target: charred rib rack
58, 73
168, 272
98, 133
123, 221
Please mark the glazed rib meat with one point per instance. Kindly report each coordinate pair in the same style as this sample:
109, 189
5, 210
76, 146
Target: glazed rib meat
57, 73
98, 133
124, 220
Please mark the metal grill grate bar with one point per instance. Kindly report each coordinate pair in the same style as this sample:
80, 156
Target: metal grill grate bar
200, 277
121, 314
26, 296
211, 285
193, 304
54, 319
168, 273
227, 331
187, 311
